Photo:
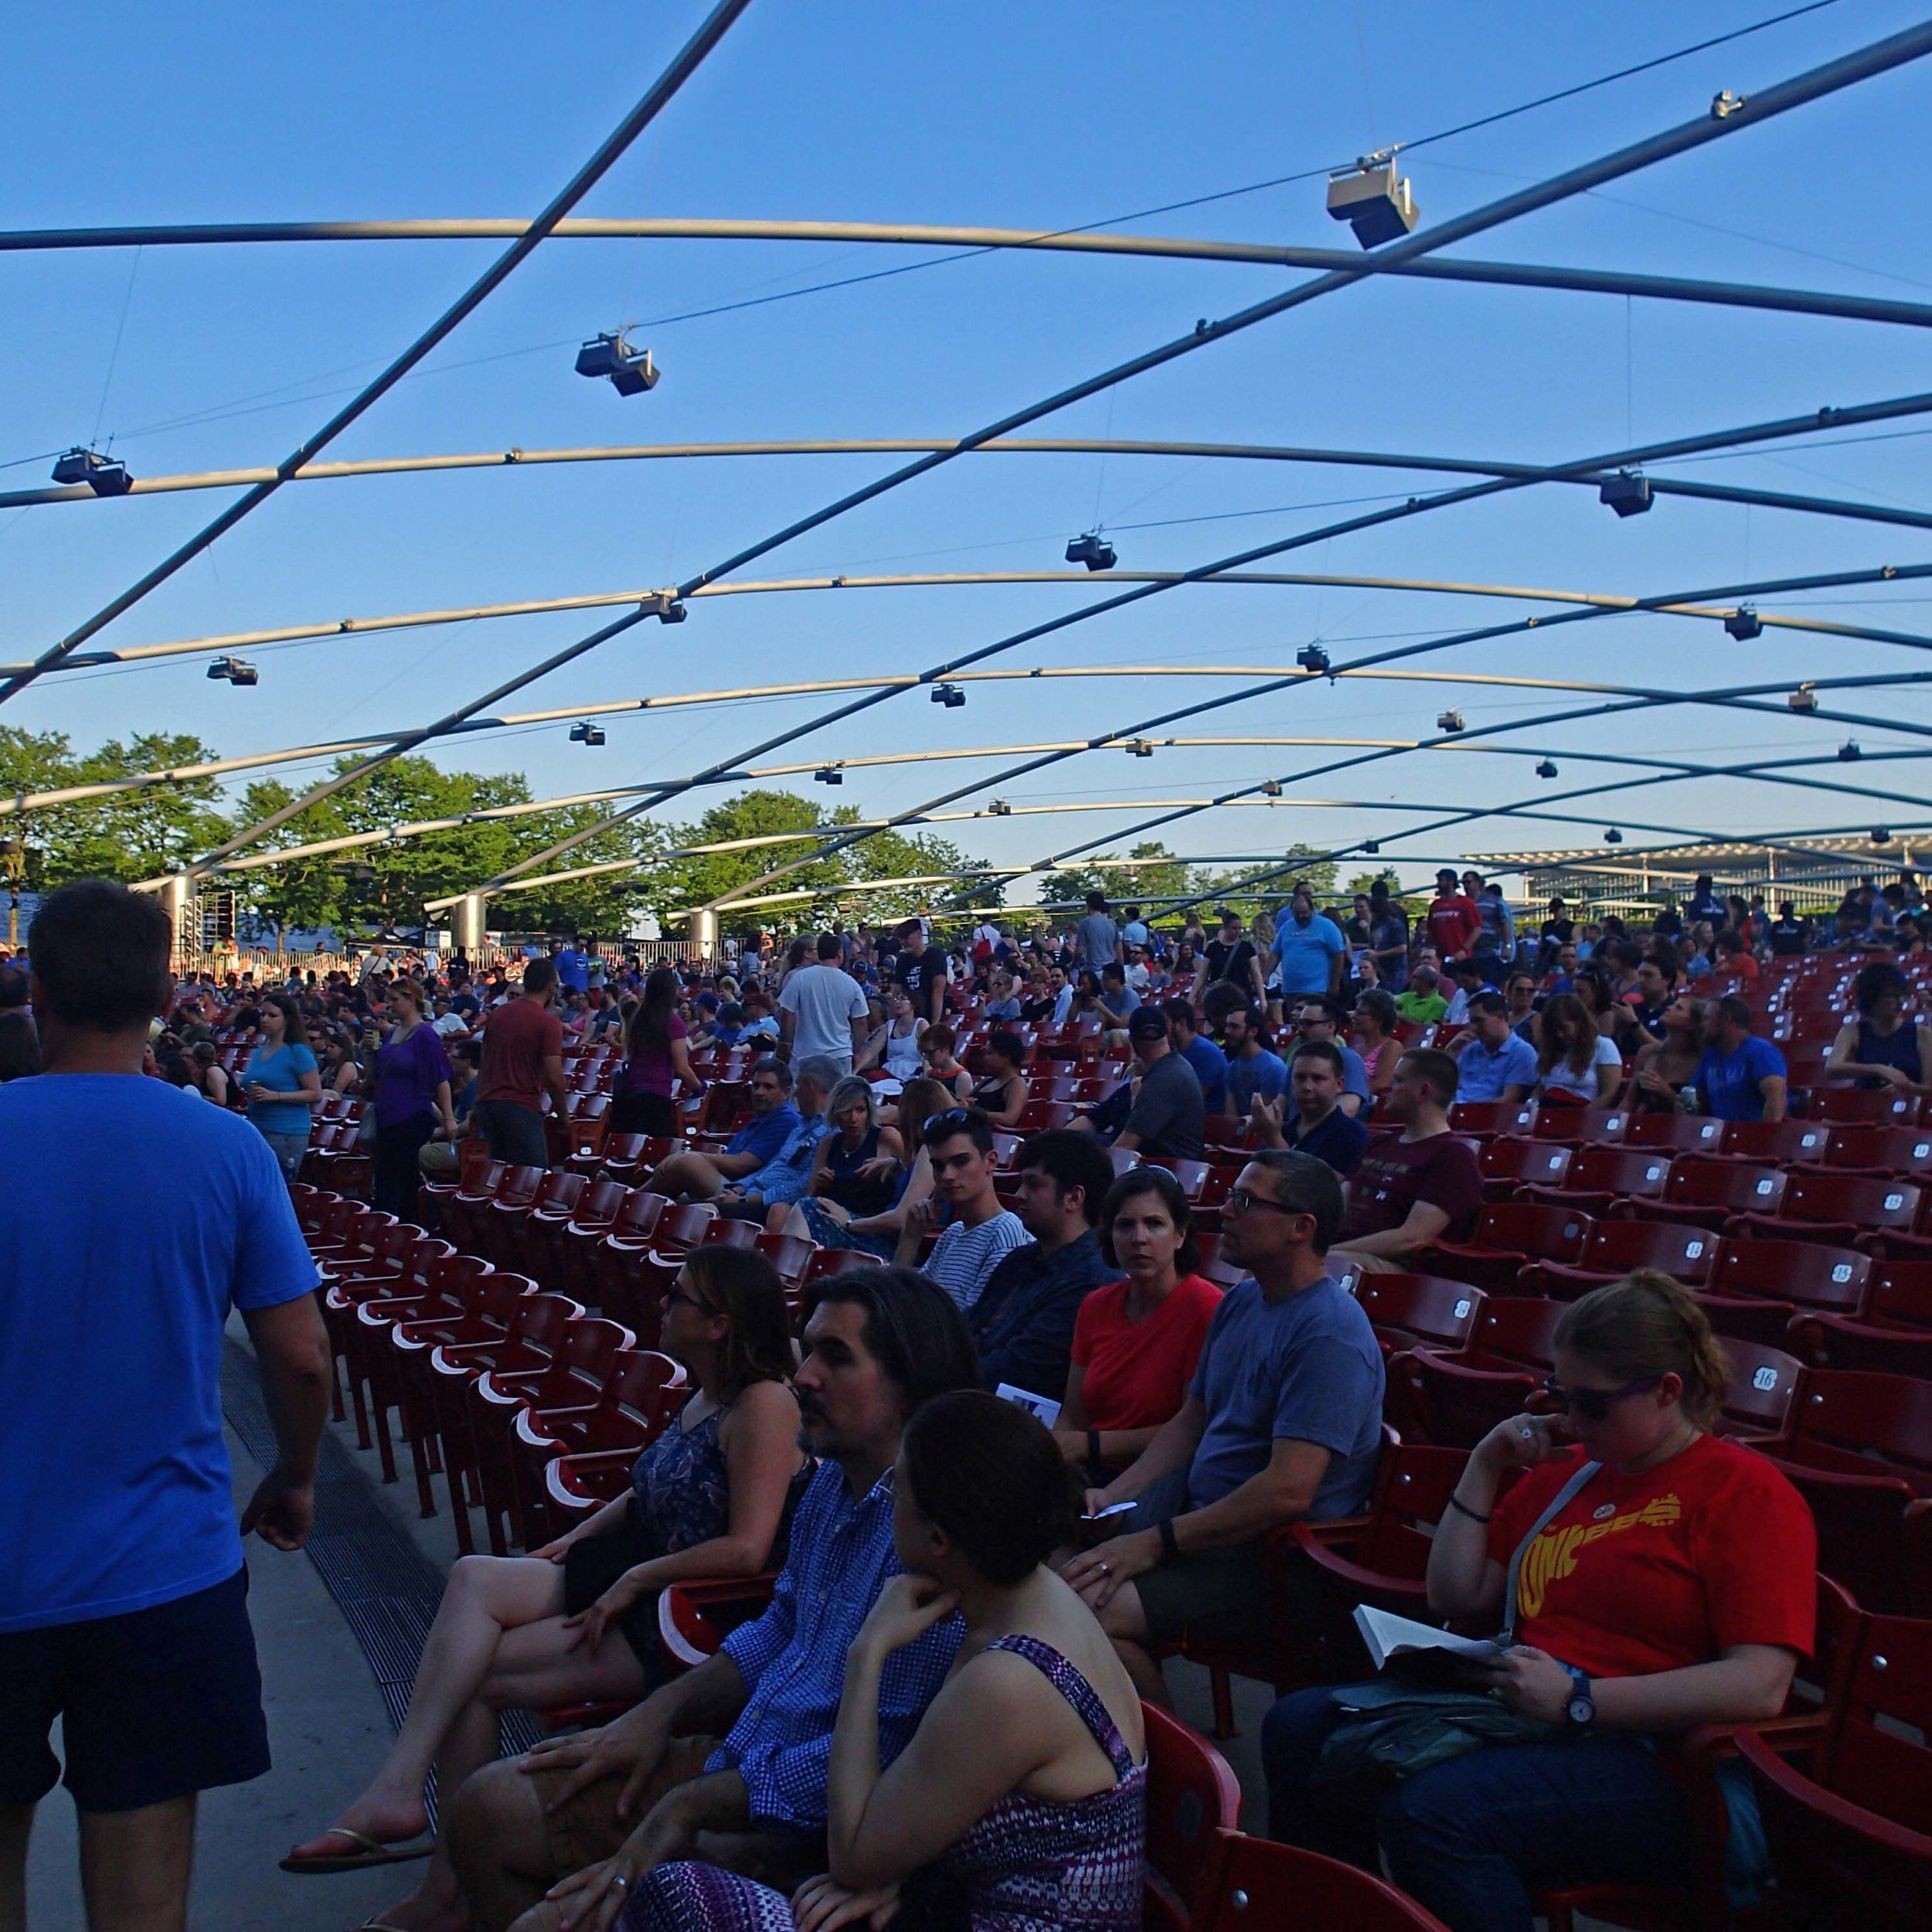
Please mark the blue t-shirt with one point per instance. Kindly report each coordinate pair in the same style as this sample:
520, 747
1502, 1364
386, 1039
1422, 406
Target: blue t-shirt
1729, 1081
116, 1291
1482, 1073
573, 969
1305, 1369
283, 1070
765, 1134
1210, 1066
1263, 1073
1306, 952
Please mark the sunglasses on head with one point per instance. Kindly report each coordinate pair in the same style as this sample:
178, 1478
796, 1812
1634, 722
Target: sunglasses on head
1594, 1405
954, 1118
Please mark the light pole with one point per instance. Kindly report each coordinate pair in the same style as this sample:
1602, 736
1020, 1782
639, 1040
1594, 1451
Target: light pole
13, 857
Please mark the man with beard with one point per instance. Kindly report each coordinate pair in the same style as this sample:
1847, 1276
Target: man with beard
728, 1763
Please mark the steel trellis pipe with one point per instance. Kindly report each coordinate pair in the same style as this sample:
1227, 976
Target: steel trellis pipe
1895, 50
683, 64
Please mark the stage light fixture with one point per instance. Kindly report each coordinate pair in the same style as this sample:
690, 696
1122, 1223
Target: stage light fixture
1311, 656
1744, 624
1850, 751
1546, 770
1451, 721
584, 732
1627, 492
1370, 198
234, 670
949, 695
1612, 837
829, 775
105, 475
1803, 700
629, 371
1093, 550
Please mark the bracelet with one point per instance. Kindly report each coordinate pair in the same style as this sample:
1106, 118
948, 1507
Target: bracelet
1170, 1544
1474, 1515
1093, 1448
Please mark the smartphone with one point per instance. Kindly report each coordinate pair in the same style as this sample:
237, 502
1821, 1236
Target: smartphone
1112, 1509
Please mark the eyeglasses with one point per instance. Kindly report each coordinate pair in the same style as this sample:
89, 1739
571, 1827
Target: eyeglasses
1594, 1405
1239, 1200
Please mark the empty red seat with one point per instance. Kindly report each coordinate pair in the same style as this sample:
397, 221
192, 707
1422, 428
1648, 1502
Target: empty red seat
1493, 1116
1906, 1151
1605, 1126
1807, 1273
1509, 1164
1845, 1208
1680, 1133
1763, 1384
1614, 1248
1601, 1178
1699, 1190
1260, 1886
1782, 1141
1880, 1108
1404, 1309
1509, 1235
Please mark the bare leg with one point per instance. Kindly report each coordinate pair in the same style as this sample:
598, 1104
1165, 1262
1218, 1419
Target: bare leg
16, 1827
486, 1596
1125, 1622
686, 1174
134, 1867
501, 1845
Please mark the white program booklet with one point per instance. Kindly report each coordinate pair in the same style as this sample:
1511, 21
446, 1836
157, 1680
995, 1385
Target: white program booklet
1044, 1406
1388, 1635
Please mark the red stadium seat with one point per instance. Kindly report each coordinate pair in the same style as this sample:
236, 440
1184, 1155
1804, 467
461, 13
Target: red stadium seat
1764, 1383
1190, 1794
1781, 1141
1404, 1309
1680, 1133
1808, 1274
1906, 1151
1258, 1886
1699, 1190
1509, 1235
1493, 1116
1601, 1179
1845, 1208
1508, 1166
1687, 1254
1852, 1104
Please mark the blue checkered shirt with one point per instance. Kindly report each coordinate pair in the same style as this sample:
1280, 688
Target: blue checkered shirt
793, 1658
787, 1174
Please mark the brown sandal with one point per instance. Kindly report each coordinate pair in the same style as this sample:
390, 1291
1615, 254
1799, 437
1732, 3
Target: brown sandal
373, 1852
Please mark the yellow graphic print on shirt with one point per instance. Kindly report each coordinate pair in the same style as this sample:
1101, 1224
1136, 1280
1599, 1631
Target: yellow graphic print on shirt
1554, 1553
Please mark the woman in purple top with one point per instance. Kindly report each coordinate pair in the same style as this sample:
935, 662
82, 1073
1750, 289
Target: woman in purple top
412, 1076
659, 1057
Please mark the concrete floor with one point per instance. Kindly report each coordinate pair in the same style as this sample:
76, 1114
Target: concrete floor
328, 1729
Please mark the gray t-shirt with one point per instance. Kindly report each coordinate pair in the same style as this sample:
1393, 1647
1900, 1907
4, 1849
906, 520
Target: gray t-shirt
827, 999
1305, 1369
1170, 1114
1096, 941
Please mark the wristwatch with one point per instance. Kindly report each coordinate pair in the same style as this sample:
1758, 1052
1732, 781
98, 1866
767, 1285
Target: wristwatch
1581, 1710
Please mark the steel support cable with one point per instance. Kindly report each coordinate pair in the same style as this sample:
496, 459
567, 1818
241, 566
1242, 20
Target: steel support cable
1662, 486
413, 620
684, 64
1741, 698
1770, 770
1895, 50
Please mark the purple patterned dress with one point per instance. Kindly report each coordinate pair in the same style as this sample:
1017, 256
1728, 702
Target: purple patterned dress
1030, 1865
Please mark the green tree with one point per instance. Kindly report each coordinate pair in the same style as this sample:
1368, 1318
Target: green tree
679, 884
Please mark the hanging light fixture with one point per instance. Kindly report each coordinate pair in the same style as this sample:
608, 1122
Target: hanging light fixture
1546, 770
1744, 624
629, 371
1627, 492
105, 475
1373, 201
234, 670
1451, 721
949, 695
1311, 656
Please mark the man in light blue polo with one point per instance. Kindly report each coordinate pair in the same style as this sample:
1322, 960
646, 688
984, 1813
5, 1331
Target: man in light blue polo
1311, 949
1497, 1063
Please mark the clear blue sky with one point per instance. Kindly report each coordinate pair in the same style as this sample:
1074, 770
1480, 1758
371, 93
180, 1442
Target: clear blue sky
1001, 115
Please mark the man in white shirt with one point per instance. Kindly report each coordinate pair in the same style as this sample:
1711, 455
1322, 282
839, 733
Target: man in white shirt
981, 1234
822, 1010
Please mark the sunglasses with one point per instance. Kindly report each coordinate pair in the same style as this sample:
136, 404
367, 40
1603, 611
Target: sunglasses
953, 1118
1594, 1405
690, 1300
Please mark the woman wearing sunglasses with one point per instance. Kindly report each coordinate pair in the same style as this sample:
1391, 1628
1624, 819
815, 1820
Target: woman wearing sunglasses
576, 1622
1663, 1579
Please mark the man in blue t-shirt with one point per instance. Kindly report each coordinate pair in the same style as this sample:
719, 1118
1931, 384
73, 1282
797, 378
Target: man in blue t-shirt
700, 1177
1253, 1070
1311, 948
572, 966
1740, 1077
1496, 1064
137, 1217
1282, 1421
1209, 1064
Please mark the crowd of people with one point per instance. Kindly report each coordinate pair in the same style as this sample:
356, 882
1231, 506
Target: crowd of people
939, 1718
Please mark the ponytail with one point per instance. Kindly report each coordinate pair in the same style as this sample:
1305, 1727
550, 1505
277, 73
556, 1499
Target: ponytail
1647, 1324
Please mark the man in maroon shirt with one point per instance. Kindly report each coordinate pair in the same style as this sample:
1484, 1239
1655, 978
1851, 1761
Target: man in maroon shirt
522, 1056
1418, 1184
1452, 920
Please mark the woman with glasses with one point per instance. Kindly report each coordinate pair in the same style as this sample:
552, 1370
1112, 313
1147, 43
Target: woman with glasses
1020, 1804
1650, 1577
575, 1621
1136, 1344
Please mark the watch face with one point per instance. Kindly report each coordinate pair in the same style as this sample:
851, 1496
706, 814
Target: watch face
1582, 1709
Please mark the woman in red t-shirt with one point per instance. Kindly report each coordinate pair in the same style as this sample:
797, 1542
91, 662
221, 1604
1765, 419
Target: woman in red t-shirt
1135, 1344
1675, 1587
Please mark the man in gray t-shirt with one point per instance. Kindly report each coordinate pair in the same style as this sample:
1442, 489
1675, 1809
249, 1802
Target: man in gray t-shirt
1168, 1117
1096, 939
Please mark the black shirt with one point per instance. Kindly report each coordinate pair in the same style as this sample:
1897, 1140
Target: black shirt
924, 979
1790, 937
1231, 963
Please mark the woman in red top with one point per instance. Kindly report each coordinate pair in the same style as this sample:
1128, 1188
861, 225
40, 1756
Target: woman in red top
1136, 1343
1675, 1587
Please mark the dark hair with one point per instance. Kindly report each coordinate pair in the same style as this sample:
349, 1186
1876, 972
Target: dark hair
1183, 1011
1070, 1160
1380, 1006
1735, 1010
650, 1018
1008, 1045
101, 955
294, 1028
1438, 1071
1565, 1009
1488, 1004
1096, 901
1307, 1186
1331, 1012
1152, 1180
538, 976
19, 1048
913, 1329
13, 986
1322, 1049
1874, 982
742, 1284
989, 1474
829, 946
770, 1063
1647, 1324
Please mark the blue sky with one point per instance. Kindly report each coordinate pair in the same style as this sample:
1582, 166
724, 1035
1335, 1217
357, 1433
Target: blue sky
1005, 115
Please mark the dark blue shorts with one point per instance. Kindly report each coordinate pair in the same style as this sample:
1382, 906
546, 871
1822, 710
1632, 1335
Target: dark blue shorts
155, 1704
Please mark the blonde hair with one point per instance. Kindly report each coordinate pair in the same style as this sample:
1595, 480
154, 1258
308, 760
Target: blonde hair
1647, 1324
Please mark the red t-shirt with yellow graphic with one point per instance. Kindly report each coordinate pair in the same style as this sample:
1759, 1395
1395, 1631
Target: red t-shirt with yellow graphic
1652, 1572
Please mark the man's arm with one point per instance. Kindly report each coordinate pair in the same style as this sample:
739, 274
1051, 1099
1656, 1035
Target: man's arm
859, 1035
787, 1022
1777, 1092
291, 1346
1172, 1448
1424, 1224
1282, 1493
553, 1079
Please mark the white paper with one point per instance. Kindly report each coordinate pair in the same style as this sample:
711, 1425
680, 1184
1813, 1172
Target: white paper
1044, 1406
1388, 1635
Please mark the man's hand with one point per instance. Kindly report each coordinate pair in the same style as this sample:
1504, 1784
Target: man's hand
282, 1511
1266, 1116
632, 1747
1098, 1572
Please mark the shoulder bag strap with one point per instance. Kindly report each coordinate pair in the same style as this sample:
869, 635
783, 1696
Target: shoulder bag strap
1558, 1504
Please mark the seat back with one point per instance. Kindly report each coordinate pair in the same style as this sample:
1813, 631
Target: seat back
1878, 1753
1779, 1140
1765, 1383
487, 1180
1258, 1886
1191, 1793
1809, 1273
519, 1185
1518, 1329
600, 1204
683, 1226
637, 1218
1852, 1104
791, 1254
1906, 1151
1900, 1294
1492, 1117
1631, 1173
560, 1192
1858, 1423
1870, 1205
639, 1388
1683, 1133
1686, 1254
1406, 1308
1527, 1163
721, 1232
1606, 1125
1735, 1187
1534, 1228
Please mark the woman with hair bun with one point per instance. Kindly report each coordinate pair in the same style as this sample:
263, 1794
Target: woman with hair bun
1019, 1804
1664, 1578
